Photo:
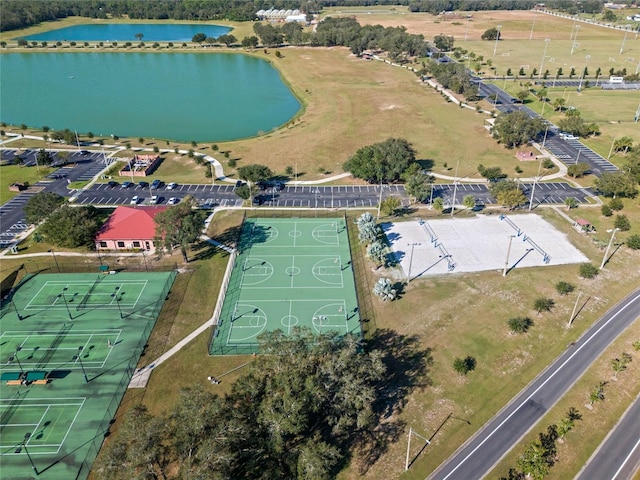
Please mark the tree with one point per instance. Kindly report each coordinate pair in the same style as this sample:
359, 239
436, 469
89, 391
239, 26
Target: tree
618, 365
606, 210
243, 191
617, 184
71, 226
382, 162
532, 461
390, 205
250, 42
179, 226
623, 144
564, 288
384, 290
597, 394
254, 173
41, 205
622, 223
568, 421
633, 242
368, 233
587, 270
469, 201
464, 365
511, 198
520, 324
558, 104
491, 34
522, 95
542, 304
516, 128
443, 42
616, 204
571, 202
578, 170
139, 36
438, 204
492, 174
376, 252
228, 39
417, 183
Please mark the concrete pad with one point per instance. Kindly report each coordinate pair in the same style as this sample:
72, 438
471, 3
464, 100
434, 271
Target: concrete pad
454, 245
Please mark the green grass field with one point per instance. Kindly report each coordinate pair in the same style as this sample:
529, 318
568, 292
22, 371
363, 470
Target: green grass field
289, 273
71, 343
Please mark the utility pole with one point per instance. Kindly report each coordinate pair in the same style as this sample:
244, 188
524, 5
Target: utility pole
506, 262
573, 313
606, 253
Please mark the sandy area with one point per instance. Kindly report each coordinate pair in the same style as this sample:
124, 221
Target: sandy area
474, 244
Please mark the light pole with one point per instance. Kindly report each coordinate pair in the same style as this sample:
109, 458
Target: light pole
64, 299
317, 191
624, 39
16, 309
532, 24
606, 253
22, 445
117, 300
55, 259
506, 262
537, 177
544, 54
78, 357
213, 175
495, 47
380, 199
575, 38
412, 245
15, 358
573, 313
455, 187
586, 60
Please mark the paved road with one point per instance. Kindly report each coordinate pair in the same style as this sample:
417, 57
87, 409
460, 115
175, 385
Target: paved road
476, 458
618, 456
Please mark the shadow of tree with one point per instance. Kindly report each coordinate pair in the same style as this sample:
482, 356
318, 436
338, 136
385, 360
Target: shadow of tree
407, 363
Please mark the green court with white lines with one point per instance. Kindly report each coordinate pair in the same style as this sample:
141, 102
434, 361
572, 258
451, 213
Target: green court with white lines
294, 272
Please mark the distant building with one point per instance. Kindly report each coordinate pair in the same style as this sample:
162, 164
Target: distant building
141, 166
129, 228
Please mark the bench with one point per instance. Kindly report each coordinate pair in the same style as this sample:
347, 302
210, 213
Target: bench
43, 381
14, 382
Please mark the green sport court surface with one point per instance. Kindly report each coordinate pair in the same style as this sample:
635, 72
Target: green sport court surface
75, 339
288, 272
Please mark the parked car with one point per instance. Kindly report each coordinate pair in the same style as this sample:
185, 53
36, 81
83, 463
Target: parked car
279, 186
154, 200
126, 184
173, 201
239, 183
155, 184
172, 185
257, 200
143, 184
113, 183
135, 200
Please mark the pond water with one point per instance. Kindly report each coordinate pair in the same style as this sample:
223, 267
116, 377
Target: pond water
178, 96
126, 32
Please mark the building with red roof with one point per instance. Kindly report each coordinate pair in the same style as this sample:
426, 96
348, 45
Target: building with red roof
129, 228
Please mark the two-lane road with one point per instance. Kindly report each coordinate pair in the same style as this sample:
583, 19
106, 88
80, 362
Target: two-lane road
479, 454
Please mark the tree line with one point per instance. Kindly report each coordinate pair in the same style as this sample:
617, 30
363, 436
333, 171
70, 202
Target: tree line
569, 6
301, 410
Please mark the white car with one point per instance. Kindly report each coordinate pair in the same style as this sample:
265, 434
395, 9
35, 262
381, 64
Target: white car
173, 201
135, 200
172, 185
153, 200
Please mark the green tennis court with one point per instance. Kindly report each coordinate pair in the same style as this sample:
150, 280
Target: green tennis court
288, 273
68, 348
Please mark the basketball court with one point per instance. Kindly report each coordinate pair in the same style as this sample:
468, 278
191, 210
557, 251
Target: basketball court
484, 242
288, 273
68, 347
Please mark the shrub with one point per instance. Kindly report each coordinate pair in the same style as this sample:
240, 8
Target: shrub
232, 162
464, 365
622, 222
542, 304
606, 210
633, 242
587, 270
564, 288
520, 324
616, 204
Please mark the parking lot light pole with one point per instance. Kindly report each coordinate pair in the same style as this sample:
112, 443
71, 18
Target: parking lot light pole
64, 299
55, 259
506, 262
117, 300
544, 54
586, 60
15, 358
412, 245
495, 47
575, 38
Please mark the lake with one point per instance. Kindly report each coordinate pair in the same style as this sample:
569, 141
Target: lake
178, 96
126, 32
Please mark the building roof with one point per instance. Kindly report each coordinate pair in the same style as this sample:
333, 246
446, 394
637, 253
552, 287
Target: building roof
130, 223
582, 222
